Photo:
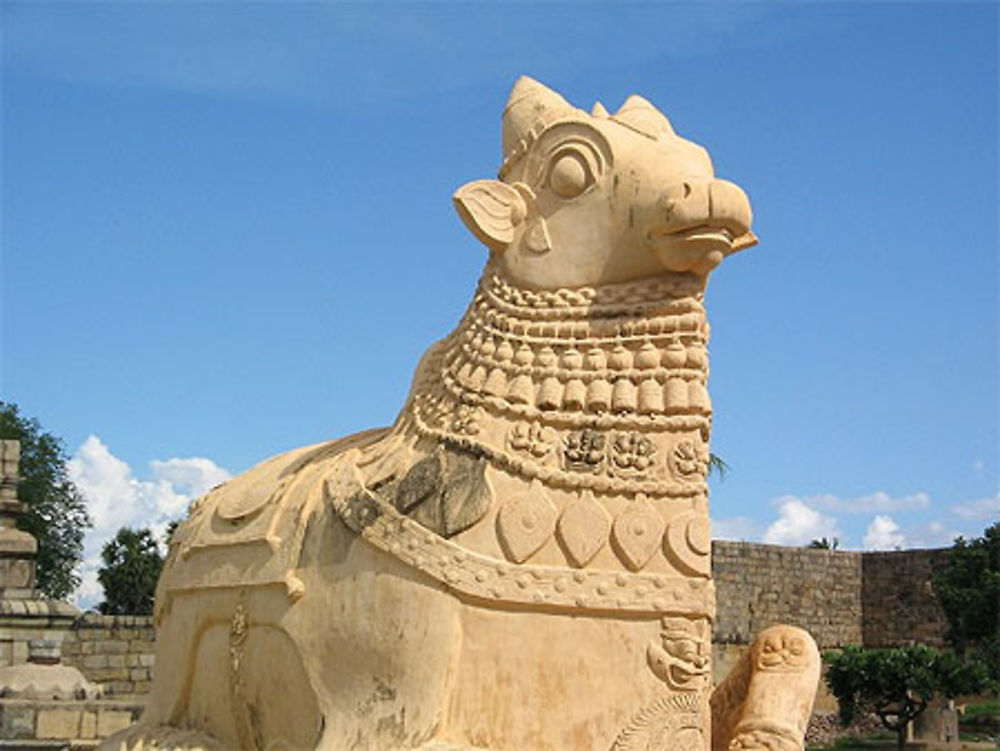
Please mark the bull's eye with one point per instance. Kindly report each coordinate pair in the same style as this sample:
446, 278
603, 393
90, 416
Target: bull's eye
570, 175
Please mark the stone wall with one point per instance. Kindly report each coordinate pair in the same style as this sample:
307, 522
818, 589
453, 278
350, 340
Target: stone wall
27, 622
762, 585
840, 597
115, 651
898, 599
63, 724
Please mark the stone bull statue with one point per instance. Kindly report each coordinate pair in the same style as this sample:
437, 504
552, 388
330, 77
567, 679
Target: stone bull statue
522, 561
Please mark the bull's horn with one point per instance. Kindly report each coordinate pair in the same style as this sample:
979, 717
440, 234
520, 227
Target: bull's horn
639, 114
598, 110
531, 105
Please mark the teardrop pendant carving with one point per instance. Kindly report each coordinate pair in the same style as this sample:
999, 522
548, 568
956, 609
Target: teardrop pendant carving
525, 522
638, 532
583, 529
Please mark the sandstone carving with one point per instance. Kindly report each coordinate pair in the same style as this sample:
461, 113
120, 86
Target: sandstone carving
521, 562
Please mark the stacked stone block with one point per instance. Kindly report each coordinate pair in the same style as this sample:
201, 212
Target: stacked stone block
76, 724
898, 598
115, 651
17, 548
758, 586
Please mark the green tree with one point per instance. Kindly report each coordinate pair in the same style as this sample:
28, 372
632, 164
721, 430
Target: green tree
898, 683
57, 515
968, 589
824, 543
132, 564
717, 465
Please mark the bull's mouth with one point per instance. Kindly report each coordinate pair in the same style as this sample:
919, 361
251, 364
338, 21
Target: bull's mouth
697, 249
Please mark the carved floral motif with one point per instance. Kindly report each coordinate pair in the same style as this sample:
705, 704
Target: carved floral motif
584, 450
632, 452
466, 420
532, 439
689, 461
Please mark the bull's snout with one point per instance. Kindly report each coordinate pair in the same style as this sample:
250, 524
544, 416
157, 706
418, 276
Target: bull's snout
718, 204
696, 223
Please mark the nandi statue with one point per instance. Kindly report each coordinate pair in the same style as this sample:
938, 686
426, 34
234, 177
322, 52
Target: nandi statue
522, 561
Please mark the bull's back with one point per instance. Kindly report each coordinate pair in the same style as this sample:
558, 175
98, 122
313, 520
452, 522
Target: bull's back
262, 580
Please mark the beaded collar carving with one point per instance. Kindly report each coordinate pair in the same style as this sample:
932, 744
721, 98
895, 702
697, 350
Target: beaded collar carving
584, 388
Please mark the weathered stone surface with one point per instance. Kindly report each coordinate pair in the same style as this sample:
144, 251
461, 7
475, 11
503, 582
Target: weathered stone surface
421, 483
412, 587
88, 725
17, 721
109, 660
17, 548
758, 586
455, 492
58, 723
110, 721
896, 615
33, 681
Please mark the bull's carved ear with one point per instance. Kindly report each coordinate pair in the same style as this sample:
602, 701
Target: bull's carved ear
491, 210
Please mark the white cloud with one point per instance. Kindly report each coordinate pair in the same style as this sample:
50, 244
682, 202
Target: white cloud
116, 498
884, 534
187, 478
933, 534
737, 528
798, 524
878, 502
984, 508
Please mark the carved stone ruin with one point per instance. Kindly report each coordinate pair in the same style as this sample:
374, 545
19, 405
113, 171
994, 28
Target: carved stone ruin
31, 628
521, 562
17, 548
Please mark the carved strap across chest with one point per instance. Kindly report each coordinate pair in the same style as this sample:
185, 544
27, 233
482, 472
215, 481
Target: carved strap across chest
486, 578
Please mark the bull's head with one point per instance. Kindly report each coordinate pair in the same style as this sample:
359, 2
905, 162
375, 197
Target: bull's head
589, 199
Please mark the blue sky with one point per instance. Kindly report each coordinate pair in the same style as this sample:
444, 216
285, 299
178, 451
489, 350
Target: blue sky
227, 232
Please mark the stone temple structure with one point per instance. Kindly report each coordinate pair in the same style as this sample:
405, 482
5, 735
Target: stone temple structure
522, 561
31, 627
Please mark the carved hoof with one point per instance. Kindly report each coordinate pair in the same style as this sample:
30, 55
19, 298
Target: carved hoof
761, 740
766, 700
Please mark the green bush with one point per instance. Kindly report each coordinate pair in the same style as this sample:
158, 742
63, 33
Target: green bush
968, 589
899, 683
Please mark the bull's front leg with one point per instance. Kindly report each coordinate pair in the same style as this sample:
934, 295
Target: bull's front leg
766, 700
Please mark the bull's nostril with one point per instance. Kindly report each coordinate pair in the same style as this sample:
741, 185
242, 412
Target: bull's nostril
687, 189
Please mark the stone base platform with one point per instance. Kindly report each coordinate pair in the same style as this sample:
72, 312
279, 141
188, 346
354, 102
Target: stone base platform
69, 725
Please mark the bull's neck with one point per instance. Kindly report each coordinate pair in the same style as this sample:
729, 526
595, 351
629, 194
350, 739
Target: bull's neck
600, 388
